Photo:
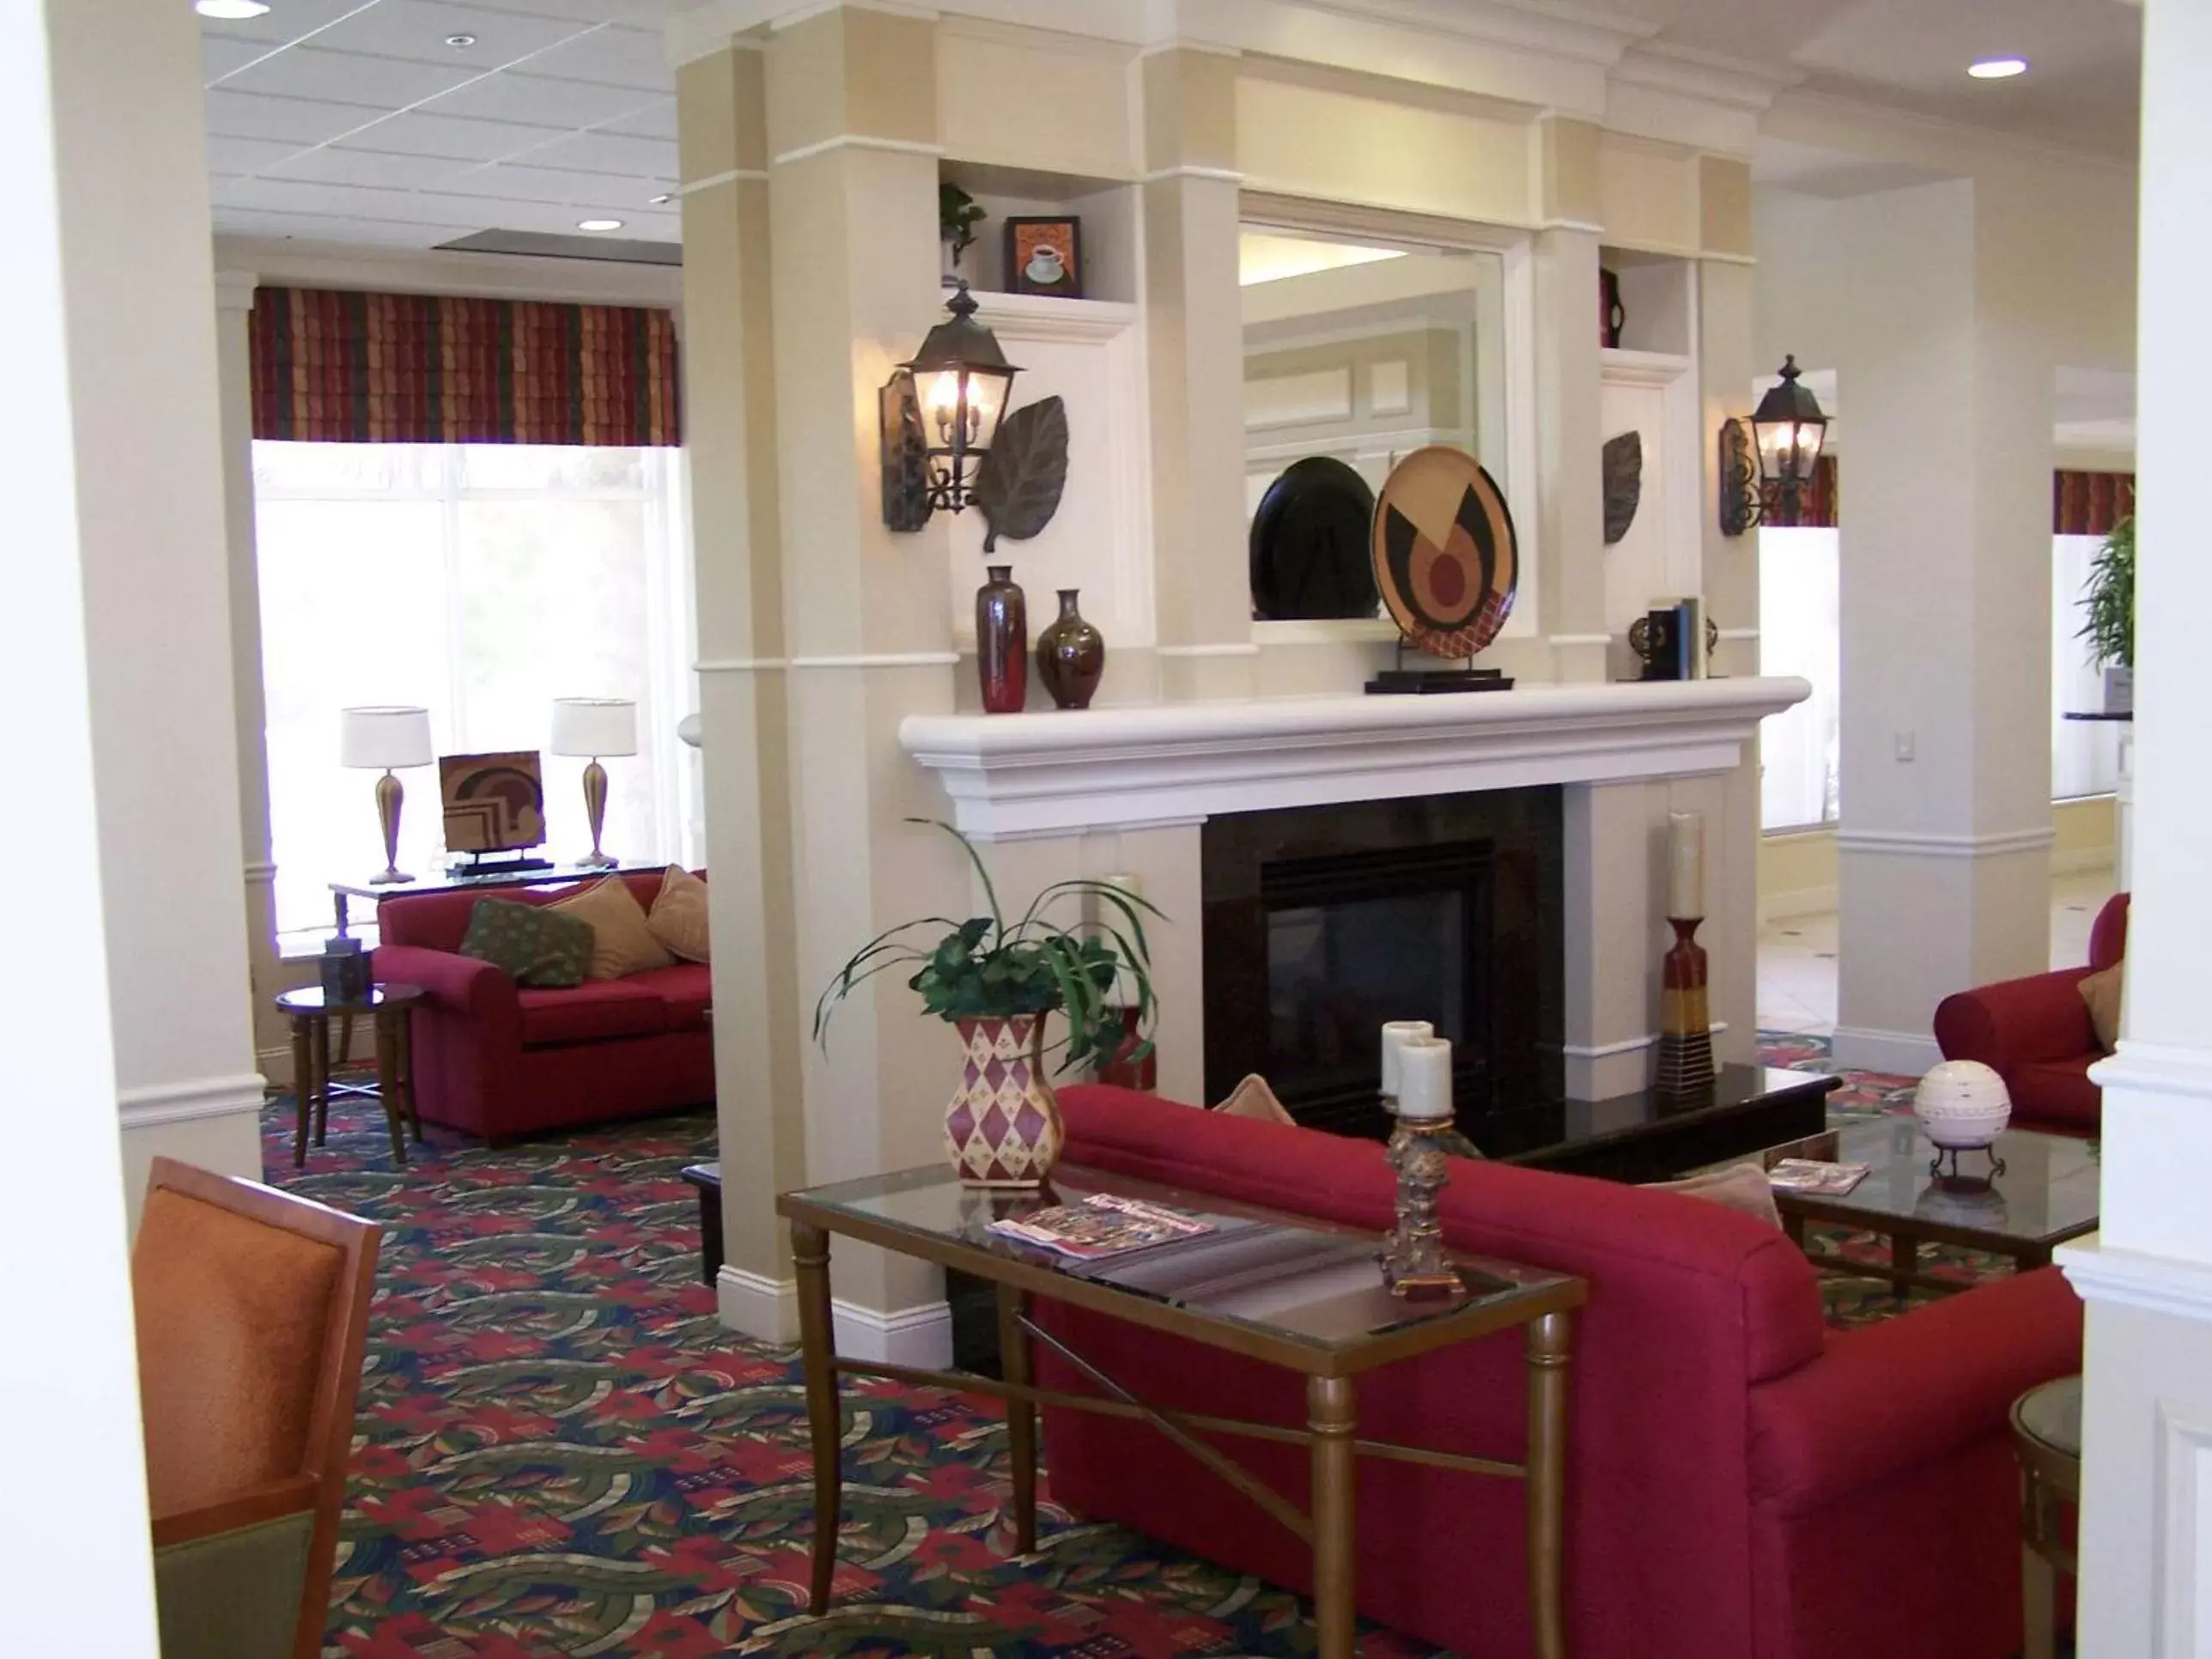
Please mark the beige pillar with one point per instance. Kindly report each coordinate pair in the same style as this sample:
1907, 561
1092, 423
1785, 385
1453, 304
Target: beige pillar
1195, 338
1569, 509
139, 264
62, 1267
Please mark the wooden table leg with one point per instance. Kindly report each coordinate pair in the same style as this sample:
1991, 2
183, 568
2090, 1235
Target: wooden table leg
1014, 1362
387, 1082
2039, 1579
322, 1077
303, 1086
1793, 1228
825, 1421
1329, 1414
407, 1072
1904, 1263
1547, 1482
710, 1233
345, 1039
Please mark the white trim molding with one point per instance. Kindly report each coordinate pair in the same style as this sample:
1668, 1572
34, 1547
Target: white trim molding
1018, 775
148, 1105
741, 665
261, 873
731, 176
1217, 175
883, 660
764, 1308
1901, 1054
767, 1309
1907, 843
2133, 1279
859, 141
1223, 650
2156, 1068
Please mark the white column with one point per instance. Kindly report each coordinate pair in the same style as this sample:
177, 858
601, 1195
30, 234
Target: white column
2146, 1553
63, 1269
137, 263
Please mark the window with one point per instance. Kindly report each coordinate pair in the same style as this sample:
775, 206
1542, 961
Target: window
480, 581
1800, 633
2085, 755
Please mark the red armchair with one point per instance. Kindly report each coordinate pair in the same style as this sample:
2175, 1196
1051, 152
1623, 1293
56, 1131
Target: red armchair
501, 1061
2036, 1033
1742, 1482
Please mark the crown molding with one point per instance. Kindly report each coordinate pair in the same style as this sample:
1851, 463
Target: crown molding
1819, 104
1708, 77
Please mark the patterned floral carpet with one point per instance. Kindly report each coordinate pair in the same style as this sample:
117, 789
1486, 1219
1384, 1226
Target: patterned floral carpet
559, 1451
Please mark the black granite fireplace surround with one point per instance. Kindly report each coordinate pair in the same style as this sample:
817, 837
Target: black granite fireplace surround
1323, 922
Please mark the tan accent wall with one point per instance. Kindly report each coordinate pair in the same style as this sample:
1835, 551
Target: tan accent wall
1044, 103
1570, 180
1724, 205
849, 72
1189, 110
1648, 195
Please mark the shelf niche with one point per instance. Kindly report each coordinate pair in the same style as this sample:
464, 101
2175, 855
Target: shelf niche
1658, 292
1107, 207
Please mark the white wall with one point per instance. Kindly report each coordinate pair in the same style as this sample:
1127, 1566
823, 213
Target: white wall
76, 1576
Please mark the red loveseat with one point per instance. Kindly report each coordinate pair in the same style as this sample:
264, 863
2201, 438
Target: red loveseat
501, 1061
1741, 1482
2036, 1033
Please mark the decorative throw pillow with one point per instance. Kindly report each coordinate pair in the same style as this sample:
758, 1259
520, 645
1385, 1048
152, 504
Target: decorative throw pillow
678, 917
1740, 1187
533, 945
564, 951
622, 944
2101, 991
1254, 1098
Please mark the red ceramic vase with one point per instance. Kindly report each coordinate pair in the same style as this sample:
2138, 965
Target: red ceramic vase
1002, 641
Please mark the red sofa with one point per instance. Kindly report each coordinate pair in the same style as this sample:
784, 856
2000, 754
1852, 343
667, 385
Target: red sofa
501, 1061
1742, 1482
2036, 1033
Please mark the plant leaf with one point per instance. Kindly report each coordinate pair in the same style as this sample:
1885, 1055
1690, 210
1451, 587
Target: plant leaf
1019, 484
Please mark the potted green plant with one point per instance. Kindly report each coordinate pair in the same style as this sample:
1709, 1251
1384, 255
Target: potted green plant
957, 214
1000, 983
2109, 601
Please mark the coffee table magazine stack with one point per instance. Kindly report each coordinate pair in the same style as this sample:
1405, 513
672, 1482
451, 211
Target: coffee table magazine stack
1274, 1287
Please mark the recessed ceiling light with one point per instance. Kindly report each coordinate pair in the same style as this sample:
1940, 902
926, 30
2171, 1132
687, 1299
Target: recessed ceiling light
460, 42
229, 11
598, 224
663, 198
1998, 68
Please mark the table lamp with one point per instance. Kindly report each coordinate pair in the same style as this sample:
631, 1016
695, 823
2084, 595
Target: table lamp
384, 739
592, 728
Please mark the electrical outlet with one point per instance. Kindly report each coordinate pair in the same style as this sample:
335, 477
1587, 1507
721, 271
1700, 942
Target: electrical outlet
1907, 746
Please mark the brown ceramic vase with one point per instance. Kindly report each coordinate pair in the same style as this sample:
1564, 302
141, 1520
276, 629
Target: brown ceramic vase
1071, 656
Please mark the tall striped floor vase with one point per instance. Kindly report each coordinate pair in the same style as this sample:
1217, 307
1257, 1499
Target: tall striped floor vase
1686, 1020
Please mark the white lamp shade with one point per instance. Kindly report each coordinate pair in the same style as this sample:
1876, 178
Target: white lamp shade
690, 730
592, 726
382, 739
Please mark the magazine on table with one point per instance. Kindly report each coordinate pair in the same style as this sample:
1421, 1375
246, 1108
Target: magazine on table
1103, 1225
1813, 1176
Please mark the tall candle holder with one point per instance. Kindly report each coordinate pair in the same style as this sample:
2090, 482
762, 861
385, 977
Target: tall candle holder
1686, 1021
1414, 1264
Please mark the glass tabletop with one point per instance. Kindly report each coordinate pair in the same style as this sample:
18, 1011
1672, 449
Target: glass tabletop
2047, 1193
2052, 1415
1293, 1278
310, 998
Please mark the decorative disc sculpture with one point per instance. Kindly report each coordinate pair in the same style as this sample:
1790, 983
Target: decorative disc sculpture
1447, 561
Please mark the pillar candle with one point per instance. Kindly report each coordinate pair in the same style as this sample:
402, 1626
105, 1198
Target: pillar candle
1425, 1079
1124, 994
1395, 1034
1686, 865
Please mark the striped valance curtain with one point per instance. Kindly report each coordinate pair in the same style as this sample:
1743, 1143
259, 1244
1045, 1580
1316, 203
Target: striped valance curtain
2082, 503
337, 367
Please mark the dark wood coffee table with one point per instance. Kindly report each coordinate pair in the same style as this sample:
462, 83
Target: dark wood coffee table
1652, 1137
2047, 1195
1325, 1315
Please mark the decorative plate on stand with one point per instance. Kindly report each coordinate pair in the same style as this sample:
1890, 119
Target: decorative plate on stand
1446, 558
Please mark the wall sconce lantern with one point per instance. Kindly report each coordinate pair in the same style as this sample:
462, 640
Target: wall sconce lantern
940, 413
1778, 451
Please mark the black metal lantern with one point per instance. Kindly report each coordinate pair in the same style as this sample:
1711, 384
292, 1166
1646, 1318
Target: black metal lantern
1780, 452
941, 412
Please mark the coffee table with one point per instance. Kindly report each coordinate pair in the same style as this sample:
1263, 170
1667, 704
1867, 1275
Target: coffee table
1318, 1307
2047, 1195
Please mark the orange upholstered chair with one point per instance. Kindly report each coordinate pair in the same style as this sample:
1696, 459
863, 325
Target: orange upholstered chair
252, 1308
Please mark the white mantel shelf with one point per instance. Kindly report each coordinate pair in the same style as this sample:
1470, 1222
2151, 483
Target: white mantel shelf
1017, 776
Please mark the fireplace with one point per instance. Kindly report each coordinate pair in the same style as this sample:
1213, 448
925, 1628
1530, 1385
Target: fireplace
1323, 922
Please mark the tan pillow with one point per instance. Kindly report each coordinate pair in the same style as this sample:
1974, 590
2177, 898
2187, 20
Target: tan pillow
1254, 1098
621, 942
2101, 991
1741, 1187
678, 918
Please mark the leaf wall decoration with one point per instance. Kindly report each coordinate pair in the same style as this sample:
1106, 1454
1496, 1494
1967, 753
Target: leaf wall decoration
1623, 483
1019, 484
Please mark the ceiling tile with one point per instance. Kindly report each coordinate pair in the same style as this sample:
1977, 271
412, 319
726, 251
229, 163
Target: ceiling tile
379, 169
351, 202
417, 29
285, 20
412, 132
233, 114
552, 217
220, 57
653, 120
238, 155
350, 77
315, 228
615, 57
528, 184
513, 95
601, 151
639, 14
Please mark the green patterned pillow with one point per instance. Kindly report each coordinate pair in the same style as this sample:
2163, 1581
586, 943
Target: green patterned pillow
531, 942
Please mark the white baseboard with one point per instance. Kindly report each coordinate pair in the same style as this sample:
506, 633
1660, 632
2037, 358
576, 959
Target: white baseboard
1902, 1053
1796, 902
151, 1104
767, 1309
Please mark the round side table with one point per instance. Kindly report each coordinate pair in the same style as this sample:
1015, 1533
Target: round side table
2046, 1433
311, 1014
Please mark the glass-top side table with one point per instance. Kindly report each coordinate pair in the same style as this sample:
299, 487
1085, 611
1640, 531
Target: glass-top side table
2046, 1435
311, 1014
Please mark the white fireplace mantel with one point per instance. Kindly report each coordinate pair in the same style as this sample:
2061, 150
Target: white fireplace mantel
1018, 777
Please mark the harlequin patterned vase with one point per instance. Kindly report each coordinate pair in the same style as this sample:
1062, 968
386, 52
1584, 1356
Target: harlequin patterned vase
1003, 1127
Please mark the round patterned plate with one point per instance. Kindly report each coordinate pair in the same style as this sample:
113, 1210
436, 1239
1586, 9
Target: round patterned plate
1446, 558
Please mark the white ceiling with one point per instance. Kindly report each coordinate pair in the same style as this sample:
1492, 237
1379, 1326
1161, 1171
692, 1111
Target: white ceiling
353, 120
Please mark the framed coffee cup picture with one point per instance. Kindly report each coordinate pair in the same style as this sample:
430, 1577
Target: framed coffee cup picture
1045, 256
